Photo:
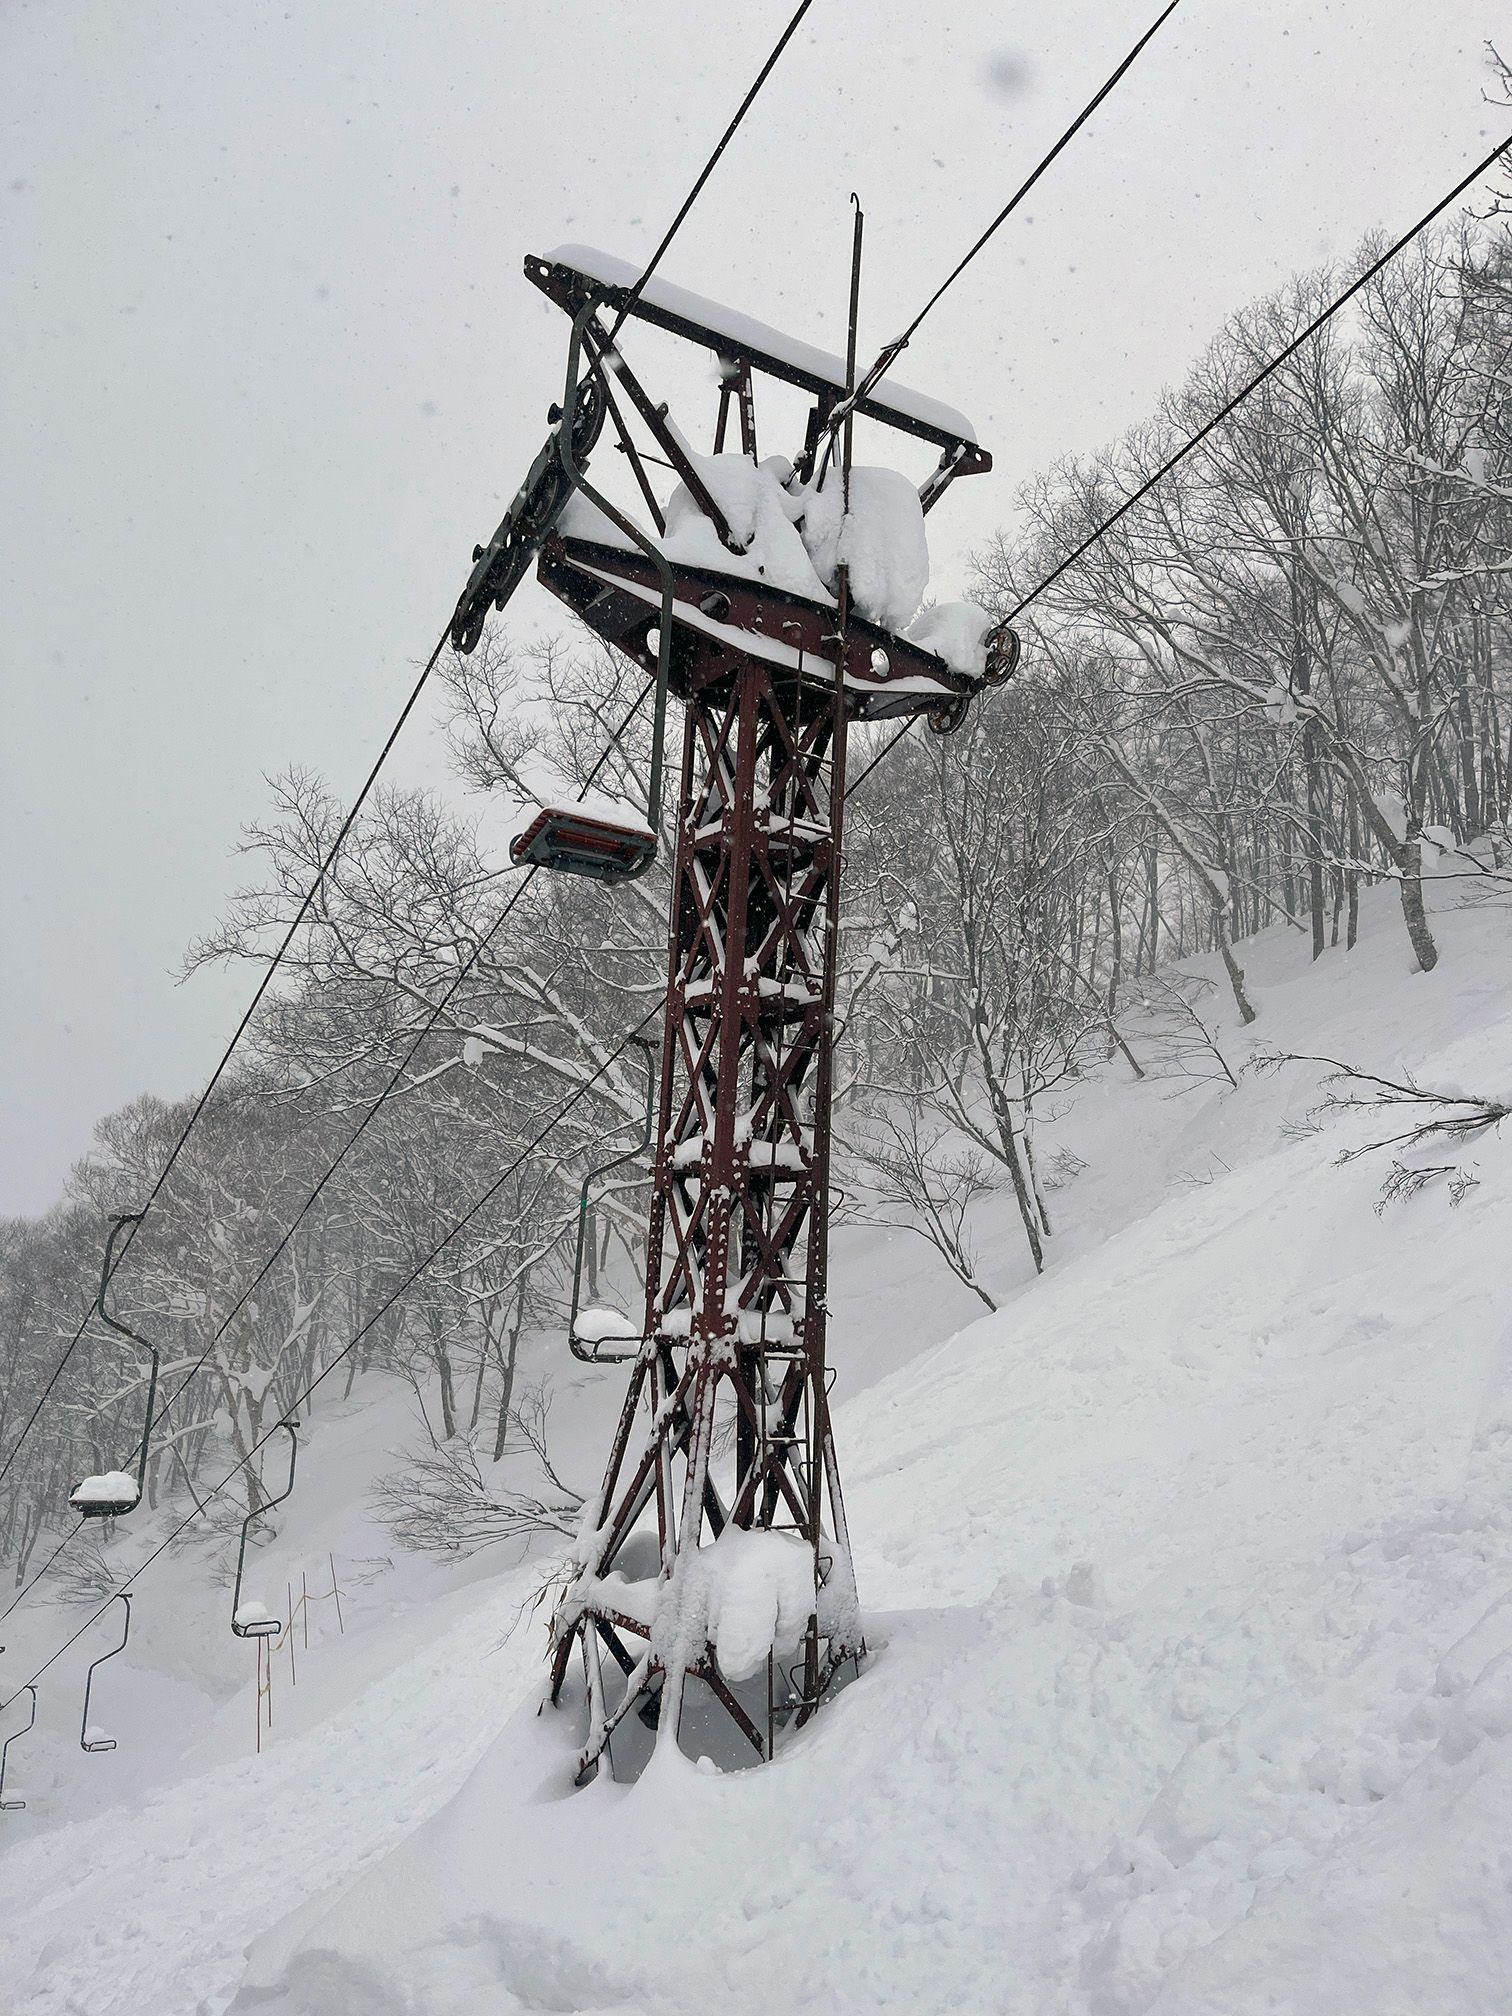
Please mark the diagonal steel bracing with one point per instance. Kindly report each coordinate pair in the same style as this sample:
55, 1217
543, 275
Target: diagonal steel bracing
726, 1418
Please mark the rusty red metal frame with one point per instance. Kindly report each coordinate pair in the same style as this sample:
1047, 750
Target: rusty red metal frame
726, 1418
735, 1310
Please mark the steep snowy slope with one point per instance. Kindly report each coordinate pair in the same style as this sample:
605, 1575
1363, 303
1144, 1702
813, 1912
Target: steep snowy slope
1188, 1580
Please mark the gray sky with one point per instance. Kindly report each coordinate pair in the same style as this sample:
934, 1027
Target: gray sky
268, 367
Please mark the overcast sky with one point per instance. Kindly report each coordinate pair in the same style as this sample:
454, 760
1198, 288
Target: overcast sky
268, 367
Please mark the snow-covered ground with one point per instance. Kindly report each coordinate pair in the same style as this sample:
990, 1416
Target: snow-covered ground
1188, 1585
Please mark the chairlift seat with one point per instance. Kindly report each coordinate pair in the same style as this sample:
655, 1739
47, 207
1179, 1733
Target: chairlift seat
604, 1325
575, 842
95, 1740
253, 1620
106, 1496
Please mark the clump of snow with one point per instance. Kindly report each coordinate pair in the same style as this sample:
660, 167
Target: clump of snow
603, 1325
761, 515
473, 1051
1281, 705
1391, 808
582, 519
882, 541
956, 632
1442, 854
591, 805
795, 537
110, 1487
252, 1613
748, 1593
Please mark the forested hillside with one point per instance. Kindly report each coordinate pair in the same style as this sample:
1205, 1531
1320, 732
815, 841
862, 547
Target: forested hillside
1282, 679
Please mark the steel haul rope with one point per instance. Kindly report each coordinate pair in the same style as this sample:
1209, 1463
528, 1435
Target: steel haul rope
1361, 280
241, 1028
266, 980
420, 1267
890, 352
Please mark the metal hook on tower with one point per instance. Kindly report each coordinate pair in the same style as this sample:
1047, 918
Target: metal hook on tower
590, 1330
115, 1492
254, 1620
95, 1740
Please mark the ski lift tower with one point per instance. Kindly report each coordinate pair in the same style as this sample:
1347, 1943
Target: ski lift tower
716, 1550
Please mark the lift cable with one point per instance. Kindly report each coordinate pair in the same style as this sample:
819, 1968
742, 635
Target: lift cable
709, 166
241, 1029
890, 352
25, 1590
399, 1070
430, 665
204, 1358
1354, 287
1362, 280
600, 1072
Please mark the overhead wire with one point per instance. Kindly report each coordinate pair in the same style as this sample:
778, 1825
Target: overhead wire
204, 1358
686, 206
428, 1260
241, 1029
890, 352
437, 1010
27, 1587
362, 1126
709, 166
1361, 280
427, 1028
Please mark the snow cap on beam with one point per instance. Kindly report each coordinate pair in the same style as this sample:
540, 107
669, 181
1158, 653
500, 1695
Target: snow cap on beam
818, 371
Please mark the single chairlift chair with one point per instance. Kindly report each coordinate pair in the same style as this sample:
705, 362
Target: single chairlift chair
115, 1492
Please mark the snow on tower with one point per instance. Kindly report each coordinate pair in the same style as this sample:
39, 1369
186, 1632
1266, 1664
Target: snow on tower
711, 1594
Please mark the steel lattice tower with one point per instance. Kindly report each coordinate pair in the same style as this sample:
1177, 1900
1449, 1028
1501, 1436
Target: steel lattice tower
738, 1229
725, 1426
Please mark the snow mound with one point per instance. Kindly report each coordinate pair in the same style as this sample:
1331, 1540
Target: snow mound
761, 516
603, 1325
748, 1594
796, 536
582, 519
882, 541
956, 632
110, 1487
1189, 1588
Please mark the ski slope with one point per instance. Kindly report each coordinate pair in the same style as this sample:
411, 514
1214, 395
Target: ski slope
1188, 1586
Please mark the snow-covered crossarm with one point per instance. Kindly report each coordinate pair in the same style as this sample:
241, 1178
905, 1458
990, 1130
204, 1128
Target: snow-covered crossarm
563, 272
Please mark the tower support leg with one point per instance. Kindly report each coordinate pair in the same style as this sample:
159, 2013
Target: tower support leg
725, 1428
